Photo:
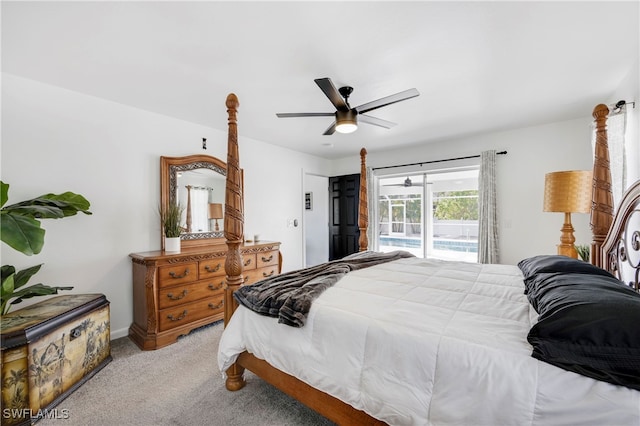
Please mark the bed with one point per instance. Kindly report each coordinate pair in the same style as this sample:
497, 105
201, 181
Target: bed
420, 341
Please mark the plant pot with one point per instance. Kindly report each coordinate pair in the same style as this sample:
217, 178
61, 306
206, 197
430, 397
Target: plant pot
172, 244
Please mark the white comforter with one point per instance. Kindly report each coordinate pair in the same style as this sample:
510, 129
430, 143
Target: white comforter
421, 342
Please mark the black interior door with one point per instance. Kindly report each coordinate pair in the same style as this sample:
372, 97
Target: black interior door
344, 194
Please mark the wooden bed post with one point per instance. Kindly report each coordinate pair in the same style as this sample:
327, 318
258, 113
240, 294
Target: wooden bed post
601, 197
363, 209
233, 231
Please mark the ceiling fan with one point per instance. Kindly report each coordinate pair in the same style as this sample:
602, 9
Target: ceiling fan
347, 117
407, 183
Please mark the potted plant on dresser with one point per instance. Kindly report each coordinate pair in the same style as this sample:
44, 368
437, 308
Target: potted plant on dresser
51, 347
171, 218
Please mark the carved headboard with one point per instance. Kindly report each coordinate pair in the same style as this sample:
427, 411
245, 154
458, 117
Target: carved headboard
616, 240
621, 248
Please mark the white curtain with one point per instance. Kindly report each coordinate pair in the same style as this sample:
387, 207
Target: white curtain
199, 209
372, 201
616, 129
488, 218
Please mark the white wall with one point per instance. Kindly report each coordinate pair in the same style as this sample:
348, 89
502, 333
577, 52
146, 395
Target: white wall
274, 195
55, 140
525, 230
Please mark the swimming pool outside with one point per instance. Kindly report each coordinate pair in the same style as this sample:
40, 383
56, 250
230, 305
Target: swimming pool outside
445, 249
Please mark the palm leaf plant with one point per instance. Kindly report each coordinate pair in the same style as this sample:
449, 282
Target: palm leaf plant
20, 229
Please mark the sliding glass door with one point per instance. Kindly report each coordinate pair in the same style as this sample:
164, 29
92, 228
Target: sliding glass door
433, 214
400, 214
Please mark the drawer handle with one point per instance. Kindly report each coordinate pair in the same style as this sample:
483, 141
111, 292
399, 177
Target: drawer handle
218, 287
212, 306
264, 274
210, 269
267, 259
173, 274
172, 297
247, 262
75, 332
172, 318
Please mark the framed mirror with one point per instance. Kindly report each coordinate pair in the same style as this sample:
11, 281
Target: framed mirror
197, 183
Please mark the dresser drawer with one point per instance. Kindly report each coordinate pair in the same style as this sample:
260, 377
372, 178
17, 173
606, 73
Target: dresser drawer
177, 274
177, 295
248, 261
253, 276
211, 268
267, 259
180, 315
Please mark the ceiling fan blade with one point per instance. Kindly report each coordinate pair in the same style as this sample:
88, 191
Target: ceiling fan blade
375, 121
331, 130
387, 100
305, 114
332, 93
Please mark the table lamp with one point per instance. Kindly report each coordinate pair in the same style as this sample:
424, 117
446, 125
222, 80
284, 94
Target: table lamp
568, 192
215, 212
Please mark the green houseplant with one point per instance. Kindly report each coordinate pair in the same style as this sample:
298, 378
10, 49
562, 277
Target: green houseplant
170, 219
583, 252
20, 229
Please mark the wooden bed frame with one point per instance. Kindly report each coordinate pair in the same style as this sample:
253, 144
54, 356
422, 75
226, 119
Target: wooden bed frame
605, 252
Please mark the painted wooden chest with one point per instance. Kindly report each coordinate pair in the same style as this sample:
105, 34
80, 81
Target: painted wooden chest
48, 350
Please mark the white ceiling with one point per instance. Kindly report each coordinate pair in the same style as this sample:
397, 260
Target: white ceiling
479, 66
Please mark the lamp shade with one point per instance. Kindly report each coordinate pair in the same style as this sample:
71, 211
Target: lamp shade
215, 211
346, 121
568, 192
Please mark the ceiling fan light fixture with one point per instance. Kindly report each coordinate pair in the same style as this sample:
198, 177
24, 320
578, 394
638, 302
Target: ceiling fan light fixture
346, 127
346, 121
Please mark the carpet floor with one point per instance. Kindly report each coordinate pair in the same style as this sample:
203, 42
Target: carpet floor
176, 385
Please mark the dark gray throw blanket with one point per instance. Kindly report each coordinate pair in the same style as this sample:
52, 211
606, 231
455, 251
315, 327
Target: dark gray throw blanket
288, 296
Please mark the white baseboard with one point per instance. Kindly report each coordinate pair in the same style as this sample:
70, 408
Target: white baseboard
116, 334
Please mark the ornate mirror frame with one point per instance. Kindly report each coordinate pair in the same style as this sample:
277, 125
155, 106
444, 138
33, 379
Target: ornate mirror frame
169, 168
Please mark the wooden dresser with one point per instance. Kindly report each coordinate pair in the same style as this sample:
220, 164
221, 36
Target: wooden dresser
174, 293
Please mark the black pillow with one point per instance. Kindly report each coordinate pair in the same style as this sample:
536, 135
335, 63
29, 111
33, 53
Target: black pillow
558, 263
588, 324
